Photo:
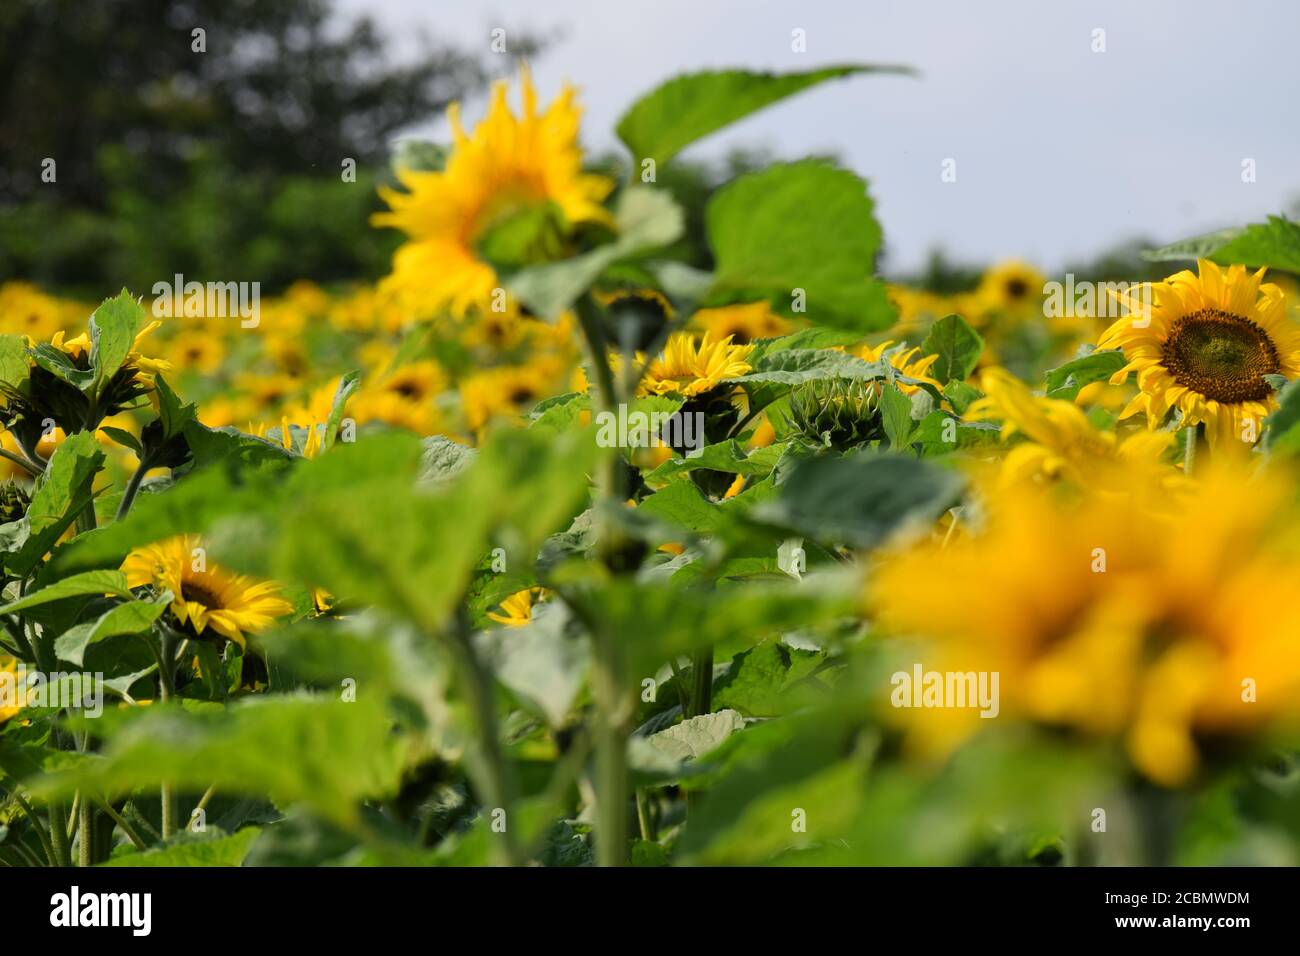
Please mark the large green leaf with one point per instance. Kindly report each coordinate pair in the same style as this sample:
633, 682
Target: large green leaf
215, 849
318, 751
677, 113
64, 489
800, 226
131, 617
1282, 428
113, 328
1066, 380
77, 585
957, 345
13, 360
861, 498
1275, 243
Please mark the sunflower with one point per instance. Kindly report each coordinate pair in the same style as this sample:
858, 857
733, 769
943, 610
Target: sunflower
1059, 442
1211, 341
505, 390
1113, 620
690, 366
904, 360
510, 168
743, 323
230, 604
1011, 286
517, 609
197, 351
9, 676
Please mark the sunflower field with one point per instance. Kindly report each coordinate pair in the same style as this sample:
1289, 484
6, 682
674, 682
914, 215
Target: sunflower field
555, 547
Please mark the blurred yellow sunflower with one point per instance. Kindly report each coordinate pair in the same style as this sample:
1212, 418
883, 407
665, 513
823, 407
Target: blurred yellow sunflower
511, 166
743, 323
505, 390
1205, 348
1158, 630
1010, 286
1061, 443
9, 676
203, 595
197, 351
691, 365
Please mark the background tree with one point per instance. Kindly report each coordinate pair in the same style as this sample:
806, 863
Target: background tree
168, 158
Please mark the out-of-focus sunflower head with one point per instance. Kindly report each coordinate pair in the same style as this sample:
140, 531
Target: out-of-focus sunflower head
504, 391
512, 192
1013, 287
1113, 620
743, 324
634, 318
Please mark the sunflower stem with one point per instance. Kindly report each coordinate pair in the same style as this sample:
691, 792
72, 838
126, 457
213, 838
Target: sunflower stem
166, 689
1190, 450
132, 489
608, 689
494, 773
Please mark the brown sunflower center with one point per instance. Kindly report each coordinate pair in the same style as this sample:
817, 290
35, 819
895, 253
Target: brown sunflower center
1017, 289
1221, 355
201, 594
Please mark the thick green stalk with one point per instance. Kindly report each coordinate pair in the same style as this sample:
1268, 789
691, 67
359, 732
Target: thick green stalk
608, 690
494, 773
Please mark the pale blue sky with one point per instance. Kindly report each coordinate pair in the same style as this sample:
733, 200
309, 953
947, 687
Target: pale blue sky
1061, 152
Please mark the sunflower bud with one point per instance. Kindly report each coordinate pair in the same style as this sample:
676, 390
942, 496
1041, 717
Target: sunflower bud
838, 413
13, 502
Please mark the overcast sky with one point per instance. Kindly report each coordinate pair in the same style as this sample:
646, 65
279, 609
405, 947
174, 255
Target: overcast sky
1060, 152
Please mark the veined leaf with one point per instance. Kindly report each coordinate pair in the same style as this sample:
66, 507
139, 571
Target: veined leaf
684, 109
796, 231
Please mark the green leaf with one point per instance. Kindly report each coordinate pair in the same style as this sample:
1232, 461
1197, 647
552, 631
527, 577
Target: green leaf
677, 113
322, 752
60, 365
348, 384
799, 226
113, 328
667, 750
1275, 243
1282, 428
1066, 380
957, 345
77, 585
443, 459
123, 438
171, 412
132, 617
64, 489
645, 218
214, 850
14, 366
861, 498
727, 456
896, 416
539, 662
760, 682
960, 395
